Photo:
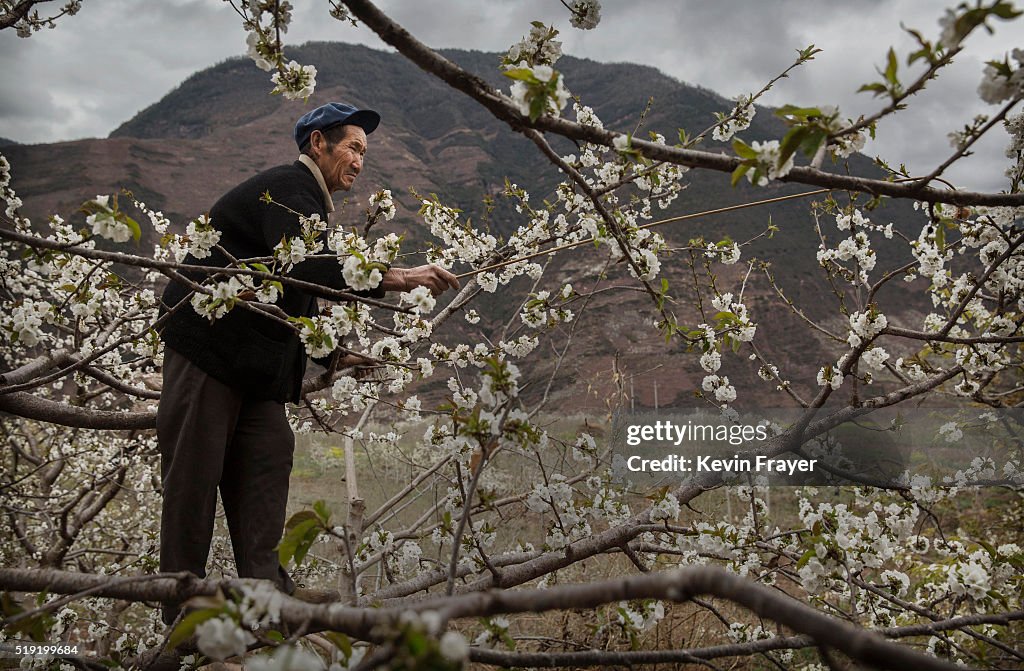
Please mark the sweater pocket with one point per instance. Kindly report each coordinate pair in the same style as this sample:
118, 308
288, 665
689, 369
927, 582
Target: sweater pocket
260, 358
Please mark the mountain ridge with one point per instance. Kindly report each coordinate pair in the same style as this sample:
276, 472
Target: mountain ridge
220, 126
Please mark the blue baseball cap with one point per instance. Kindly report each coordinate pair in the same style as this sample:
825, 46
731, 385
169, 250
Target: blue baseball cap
333, 114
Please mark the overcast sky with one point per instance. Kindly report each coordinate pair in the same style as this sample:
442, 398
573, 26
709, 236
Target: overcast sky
116, 57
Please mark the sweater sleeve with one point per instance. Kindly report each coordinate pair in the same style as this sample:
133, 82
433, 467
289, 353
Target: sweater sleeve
279, 223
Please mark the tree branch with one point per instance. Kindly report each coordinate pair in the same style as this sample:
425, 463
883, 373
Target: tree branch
501, 107
680, 586
44, 410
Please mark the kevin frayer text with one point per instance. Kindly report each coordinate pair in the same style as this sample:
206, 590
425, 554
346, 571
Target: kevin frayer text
707, 464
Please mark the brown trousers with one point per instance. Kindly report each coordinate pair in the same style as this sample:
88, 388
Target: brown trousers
211, 436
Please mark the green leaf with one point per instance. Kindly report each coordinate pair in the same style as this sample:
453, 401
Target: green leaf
791, 142
341, 641
306, 542
742, 149
521, 74
890, 69
320, 508
297, 541
417, 642
810, 144
801, 112
877, 88
924, 52
738, 173
299, 517
538, 104
806, 557
808, 53
1005, 10
188, 625
133, 225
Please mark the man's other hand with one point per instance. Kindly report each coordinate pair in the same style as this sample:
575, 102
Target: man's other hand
435, 278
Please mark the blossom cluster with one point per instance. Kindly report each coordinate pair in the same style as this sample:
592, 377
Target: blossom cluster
363, 265
767, 162
201, 236
1002, 80
586, 14
295, 81
735, 121
266, 21
539, 47
30, 21
382, 201
538, 311
538, 90
856, 247
461, 241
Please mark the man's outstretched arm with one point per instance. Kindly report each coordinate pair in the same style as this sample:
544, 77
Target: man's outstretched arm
435, 278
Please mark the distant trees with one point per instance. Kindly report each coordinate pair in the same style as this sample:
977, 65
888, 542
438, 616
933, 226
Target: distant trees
80, 386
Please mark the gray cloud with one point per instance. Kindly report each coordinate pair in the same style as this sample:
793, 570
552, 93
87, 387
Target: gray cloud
98, 69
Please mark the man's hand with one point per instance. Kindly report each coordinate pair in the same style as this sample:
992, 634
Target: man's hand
435, 278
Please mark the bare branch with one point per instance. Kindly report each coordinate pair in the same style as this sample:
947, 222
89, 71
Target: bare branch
44, 410
627, 658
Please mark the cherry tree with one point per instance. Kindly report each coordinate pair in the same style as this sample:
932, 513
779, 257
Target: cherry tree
847, 577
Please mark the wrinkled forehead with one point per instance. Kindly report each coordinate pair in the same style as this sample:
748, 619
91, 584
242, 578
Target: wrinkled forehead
355, 136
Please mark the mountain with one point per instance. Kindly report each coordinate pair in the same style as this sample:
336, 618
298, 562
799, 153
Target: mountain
220, 126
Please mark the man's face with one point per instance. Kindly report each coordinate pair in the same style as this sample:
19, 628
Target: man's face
341, 162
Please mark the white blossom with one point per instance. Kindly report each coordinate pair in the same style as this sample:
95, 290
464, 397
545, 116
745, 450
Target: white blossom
106, 225
295, 82
253, 42
951, 432
767, 162
586, 14
201, 236
738, 119
359, 275
875, 358
289, 658
711, 361
221, 637
830, 376
419, 298
382, 199
453, 646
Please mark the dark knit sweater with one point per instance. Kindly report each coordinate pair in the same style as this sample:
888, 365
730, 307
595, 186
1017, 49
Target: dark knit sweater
243, 349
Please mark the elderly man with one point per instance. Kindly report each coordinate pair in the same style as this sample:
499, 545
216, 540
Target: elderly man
221, 421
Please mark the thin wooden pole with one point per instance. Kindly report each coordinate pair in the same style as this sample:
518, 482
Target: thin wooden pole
692, 215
